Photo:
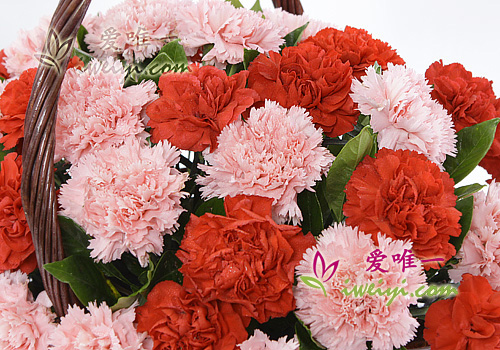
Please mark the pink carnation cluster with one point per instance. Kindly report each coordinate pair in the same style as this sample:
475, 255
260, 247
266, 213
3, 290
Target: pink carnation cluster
134, 29
22, 54
480, 251
340, 321
403, 113
276, 153
95, 111
288, 22
260, 341
98, 330
127, 198
229, 29
25, 324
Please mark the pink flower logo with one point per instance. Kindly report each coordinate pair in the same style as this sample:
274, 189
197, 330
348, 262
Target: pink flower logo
320, 271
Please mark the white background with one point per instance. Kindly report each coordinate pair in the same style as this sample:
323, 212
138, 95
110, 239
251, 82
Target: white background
422, 31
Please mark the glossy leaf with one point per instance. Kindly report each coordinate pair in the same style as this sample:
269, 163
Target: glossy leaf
305, 338
256, 7
343, 167
293, 38
213, 205
465, 206
74, 237
472, 145
311, 212
466, 191
249, 56
80, 38
84, 278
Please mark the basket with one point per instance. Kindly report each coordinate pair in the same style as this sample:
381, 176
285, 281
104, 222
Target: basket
37, 188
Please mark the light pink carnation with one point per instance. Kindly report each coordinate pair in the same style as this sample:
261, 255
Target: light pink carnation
403, 113
276, 153
288, 22
25, 324
127, 198
480, 252
95, 111
339, 321
134, 29
98, 330
22, 54
260, 341
231, 30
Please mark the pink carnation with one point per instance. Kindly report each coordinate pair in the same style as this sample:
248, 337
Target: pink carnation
22, 54
480, 252
229, 29
260, 341
134, 29
339, 321
403, 113
288, 22
95, 111
127, 198
276, 153
25, 324
98, 330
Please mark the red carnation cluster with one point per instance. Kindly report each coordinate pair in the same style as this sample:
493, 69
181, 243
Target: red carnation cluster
471, 320
235, 268
470, 100
16, 245
195, 106
13, 104
311, 78
405, 196
177, 319
357, 47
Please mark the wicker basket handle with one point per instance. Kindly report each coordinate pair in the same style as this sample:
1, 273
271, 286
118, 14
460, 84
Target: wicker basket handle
37, 186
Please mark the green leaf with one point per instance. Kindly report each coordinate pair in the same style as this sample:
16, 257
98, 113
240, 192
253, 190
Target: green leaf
305, 338
80, 37
465, 206
232, 69
311, 212
249, 56
74, 237
213, 205
84, 278
111, 270
472, 145
377, 67
293, 38
3, 152
256, 7
343, 167
171, 58
167, 268
466, 191
85, 57
207, 48
235, 3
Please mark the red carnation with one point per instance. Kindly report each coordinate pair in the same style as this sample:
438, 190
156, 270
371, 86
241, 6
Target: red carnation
307, 76
357, 47
176, 319
245, 259
471, 320
16, 245
3, 71
404, 196
470, 100
13, 105
195, 106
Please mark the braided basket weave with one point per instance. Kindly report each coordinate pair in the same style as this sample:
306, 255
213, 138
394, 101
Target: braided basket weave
37, 187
